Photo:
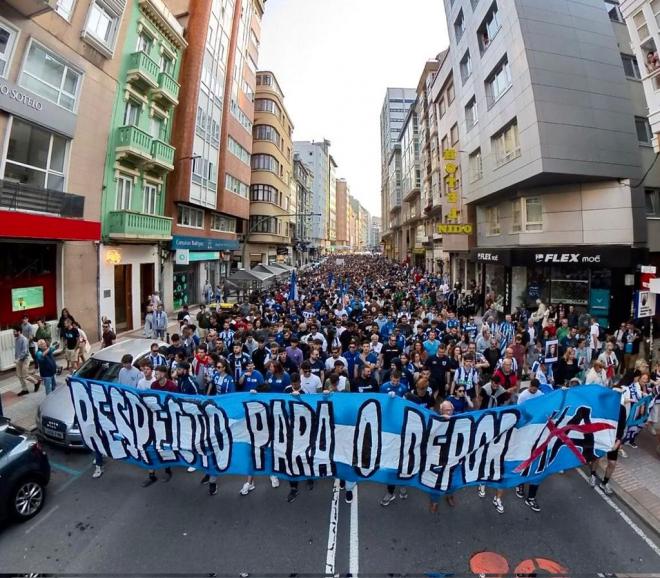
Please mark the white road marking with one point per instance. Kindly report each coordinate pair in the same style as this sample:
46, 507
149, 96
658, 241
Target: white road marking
42, 518
332, 531
354, 559
650, 543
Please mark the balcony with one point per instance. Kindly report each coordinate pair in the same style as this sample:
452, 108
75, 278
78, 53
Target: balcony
18, 197
31, 8
167, 90
130, 226
134, 144
142, 71
162, 155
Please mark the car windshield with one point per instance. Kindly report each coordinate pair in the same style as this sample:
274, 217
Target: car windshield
99, 370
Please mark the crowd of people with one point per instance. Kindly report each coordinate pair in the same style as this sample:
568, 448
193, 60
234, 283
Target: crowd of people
364, 324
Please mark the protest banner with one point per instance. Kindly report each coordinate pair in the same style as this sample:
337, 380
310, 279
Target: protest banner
355, 437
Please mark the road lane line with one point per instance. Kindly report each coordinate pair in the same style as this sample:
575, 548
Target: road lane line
650, 543
354, 559
65, 469
332, 531
73, 478
42, 518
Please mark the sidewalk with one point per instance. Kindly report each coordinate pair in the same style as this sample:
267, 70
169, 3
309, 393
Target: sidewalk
635, 480
23, 410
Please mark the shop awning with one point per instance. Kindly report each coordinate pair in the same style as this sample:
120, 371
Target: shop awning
244, 277
285, 268
269, 270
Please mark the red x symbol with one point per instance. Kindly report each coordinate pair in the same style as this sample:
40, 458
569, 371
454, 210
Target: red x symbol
560, 433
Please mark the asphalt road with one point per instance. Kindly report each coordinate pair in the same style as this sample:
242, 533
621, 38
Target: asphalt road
113, 525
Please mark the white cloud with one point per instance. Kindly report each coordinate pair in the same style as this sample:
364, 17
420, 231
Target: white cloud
335, 58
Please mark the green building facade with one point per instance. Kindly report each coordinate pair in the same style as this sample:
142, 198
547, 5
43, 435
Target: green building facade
139, 158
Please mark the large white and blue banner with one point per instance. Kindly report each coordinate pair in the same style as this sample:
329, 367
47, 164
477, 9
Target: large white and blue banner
355, 437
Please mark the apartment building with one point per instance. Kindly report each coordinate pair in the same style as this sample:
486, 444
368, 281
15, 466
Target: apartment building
641, 64
374, 233
269, 236
342, 193
555, 157
138, 160
208, 194
303, 178
395, 108
410, 232
315, 155
59, 73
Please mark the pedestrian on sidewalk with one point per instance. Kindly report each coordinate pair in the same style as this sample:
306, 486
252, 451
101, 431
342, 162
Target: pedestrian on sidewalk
22, 359
108, 337
71, 338
159, 322
47, 364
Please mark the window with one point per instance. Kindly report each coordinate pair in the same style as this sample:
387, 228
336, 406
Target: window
640, 24
471, 117
516, 216
35, 157
265, 163
243, 118
655, 7
267, 132
459, 26
442, 107
238, 151
498, 82
132, 113
630, 66
65, 8
150, 199
267, 105
263, 224
451, 93
454, 135
493, 220
190, 217
235, 186
505, 144
533, 214
475, 166
466, 66
223, 224
51, 77
652, 205
489, 28
644, 134
166, 64
7, 40
144, 43
264, 80
612, 7
444, 144
265, 194
124, 192
102, 24
156, 128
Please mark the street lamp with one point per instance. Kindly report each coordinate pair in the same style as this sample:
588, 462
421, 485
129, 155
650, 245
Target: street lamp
251, 229
191, 157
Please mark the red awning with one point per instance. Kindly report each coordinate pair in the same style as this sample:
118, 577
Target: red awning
39, 226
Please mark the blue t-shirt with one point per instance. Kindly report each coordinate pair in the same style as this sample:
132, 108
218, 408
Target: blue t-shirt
278, 383
254, 381
399, 389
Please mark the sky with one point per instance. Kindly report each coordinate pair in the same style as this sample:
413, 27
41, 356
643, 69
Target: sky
335, 58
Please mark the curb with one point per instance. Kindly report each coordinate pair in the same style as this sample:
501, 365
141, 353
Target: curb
629, 500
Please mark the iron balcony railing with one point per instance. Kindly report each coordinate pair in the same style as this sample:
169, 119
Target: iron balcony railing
19, 197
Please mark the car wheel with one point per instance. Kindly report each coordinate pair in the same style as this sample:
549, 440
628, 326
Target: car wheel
27, 499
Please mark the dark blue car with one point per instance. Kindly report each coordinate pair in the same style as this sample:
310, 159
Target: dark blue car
24, 473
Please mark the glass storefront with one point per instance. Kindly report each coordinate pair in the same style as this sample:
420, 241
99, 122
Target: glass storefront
184, 286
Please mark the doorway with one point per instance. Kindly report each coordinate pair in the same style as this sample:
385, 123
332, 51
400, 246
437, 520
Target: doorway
123, 298
146, 285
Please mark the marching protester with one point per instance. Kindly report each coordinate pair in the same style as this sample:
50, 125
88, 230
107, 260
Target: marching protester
371, 327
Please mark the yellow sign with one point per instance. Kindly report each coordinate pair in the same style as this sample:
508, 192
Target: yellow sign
113, 257
454, 229
419, 251
449, 154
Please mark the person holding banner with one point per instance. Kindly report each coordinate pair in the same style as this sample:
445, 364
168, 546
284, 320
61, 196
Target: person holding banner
636, 411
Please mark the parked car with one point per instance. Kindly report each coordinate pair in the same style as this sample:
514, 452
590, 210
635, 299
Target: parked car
56, 418
24, 473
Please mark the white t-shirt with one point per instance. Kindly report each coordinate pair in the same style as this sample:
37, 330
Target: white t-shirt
526, 395
594, 331
145, 383
330, 362
310, 384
